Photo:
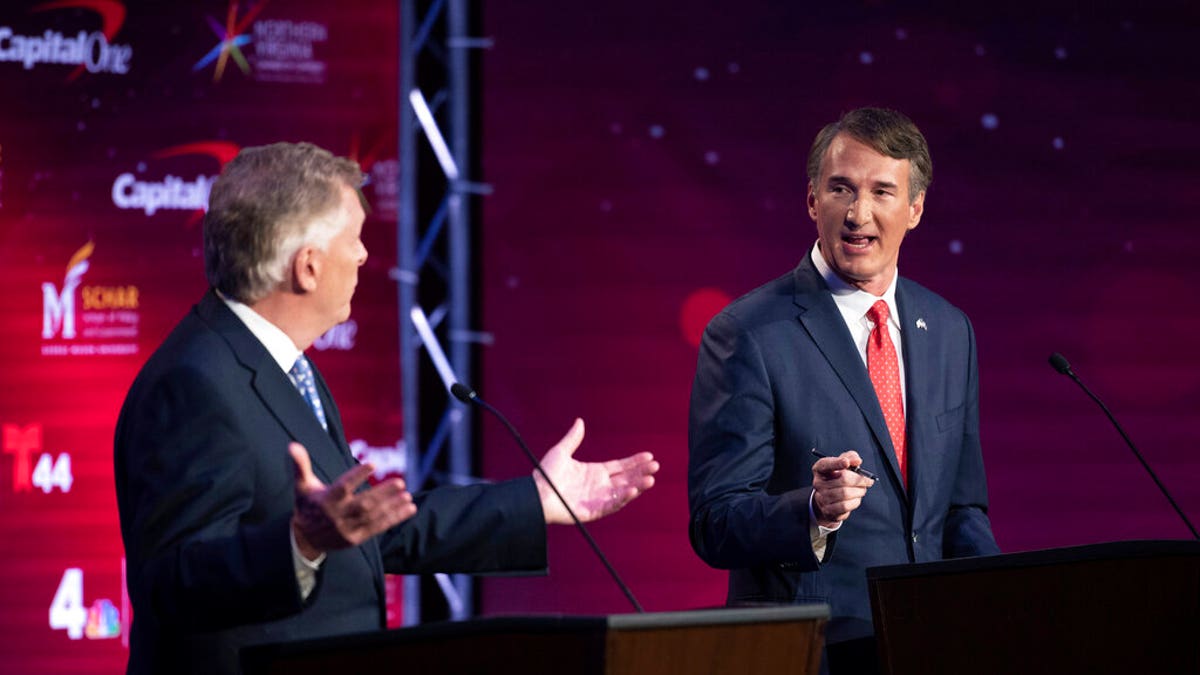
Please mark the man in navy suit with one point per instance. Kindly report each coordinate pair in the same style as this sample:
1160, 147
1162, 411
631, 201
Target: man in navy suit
801, 364
245, 519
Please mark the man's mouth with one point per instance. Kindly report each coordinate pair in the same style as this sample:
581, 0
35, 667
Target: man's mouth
857, 241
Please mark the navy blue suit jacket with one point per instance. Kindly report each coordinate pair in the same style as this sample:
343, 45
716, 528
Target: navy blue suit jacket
779, 374
205, 490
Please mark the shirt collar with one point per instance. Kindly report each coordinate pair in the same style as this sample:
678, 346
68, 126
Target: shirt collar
278, 344
851, 300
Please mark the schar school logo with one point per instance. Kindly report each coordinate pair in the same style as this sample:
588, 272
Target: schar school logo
172, 192
98, 321
94, 52
280, 50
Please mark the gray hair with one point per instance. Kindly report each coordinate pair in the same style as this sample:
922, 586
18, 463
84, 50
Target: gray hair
889, 133
268, 202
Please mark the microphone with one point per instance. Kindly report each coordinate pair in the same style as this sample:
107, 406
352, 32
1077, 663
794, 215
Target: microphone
1059, 362
467, 395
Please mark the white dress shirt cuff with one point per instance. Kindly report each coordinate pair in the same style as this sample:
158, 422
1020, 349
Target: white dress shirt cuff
306, 570
818, 534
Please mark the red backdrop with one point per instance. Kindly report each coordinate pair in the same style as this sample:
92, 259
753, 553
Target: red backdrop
103, 170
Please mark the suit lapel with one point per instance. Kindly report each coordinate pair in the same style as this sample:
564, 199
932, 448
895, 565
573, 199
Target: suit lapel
292, 411
919, 373
821, 319
333, 418
275, 390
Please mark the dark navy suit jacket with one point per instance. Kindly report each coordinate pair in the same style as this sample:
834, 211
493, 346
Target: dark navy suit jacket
205, 490
779, 374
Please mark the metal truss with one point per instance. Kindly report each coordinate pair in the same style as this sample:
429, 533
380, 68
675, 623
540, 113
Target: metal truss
437, 204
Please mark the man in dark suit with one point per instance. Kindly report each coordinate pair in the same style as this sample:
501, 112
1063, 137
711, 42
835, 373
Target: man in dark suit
244, 517
844, 357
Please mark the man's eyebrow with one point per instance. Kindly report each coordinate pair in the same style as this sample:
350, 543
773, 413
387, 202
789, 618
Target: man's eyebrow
844, 179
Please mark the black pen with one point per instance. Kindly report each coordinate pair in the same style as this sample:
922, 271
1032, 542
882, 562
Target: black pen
856, 469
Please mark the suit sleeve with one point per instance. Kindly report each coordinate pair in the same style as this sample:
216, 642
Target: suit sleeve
199, 553
968, 530
735, 521
472, 529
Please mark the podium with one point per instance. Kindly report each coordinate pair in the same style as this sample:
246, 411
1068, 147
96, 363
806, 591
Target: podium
773, 640
1123, 607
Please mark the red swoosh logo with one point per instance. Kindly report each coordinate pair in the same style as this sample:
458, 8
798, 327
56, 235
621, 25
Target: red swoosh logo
222, 151
112, 12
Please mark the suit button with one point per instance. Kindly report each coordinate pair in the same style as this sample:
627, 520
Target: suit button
914, 537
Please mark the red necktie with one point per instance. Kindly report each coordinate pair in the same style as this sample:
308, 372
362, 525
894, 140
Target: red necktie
884, 368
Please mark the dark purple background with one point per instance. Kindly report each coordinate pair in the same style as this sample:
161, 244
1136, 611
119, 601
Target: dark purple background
644, 151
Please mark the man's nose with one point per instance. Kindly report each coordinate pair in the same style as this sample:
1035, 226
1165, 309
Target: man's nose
859, 212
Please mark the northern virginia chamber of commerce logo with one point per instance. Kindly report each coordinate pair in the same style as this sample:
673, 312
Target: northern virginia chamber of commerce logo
382, 174
280, 50
91, 320
170, 192
94, 51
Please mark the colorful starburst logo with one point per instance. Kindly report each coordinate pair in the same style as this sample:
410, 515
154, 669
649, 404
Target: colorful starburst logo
232, 37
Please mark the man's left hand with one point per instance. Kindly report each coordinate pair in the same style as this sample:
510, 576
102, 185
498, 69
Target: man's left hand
593, 489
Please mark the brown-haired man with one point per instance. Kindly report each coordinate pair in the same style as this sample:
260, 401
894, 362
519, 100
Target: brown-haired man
844, 357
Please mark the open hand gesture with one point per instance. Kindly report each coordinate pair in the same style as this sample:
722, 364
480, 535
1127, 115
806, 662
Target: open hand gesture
335, 516
593, 489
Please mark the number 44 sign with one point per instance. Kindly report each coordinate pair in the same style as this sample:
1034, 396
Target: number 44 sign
67, 611
48, 474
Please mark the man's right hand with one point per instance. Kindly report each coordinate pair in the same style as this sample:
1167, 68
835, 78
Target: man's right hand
837, 491
335, 516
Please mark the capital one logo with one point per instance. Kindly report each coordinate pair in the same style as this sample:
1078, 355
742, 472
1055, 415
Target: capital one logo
93, 52
58, 306
173, 192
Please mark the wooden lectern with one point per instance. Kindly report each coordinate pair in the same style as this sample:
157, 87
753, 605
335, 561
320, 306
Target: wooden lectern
1124, 607
774, 640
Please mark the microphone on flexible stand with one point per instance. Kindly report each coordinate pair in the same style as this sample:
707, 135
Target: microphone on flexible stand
467, 395
1059, 362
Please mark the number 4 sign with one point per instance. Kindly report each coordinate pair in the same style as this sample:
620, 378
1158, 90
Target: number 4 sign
67, 611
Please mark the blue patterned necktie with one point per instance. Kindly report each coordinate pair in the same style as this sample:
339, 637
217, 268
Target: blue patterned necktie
301, 376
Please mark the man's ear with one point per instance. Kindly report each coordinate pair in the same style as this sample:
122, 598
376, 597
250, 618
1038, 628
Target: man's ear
306, 269
916, 209
812, 201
